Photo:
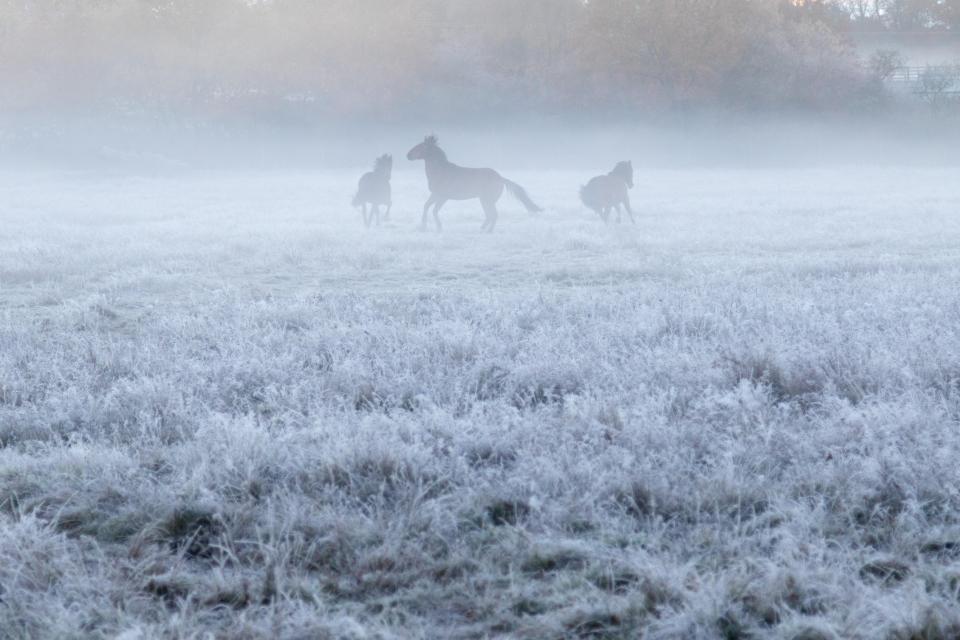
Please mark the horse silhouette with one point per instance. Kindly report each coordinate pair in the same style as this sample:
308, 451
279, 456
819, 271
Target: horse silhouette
608, 193
448, 181
374, 189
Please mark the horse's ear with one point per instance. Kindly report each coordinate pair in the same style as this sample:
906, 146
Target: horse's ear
432, 139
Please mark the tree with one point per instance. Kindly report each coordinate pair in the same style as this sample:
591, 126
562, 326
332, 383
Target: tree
948, 14
884, 63
382, 57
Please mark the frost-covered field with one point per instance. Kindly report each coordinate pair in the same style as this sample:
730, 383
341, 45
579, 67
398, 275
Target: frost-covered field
228, 409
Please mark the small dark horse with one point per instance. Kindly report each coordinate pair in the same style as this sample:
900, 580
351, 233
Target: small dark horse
607, 193
374, 190
448, 181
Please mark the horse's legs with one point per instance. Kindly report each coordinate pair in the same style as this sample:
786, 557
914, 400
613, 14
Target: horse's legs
386, 214
375, 213
626, 205
486, 215
619, 211
491, 215
363, 210
426, 212
436, 213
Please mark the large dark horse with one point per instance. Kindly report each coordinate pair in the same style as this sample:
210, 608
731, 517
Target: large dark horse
448, 181
607, 193
374, 189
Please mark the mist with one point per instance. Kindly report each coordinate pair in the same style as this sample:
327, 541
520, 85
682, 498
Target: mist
389, 60
293, 83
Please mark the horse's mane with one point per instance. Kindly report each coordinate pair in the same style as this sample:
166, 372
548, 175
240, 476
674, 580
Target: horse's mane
383, 162
623, 169
431, 141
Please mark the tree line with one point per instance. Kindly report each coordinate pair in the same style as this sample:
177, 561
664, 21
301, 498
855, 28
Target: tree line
899, 15
391, 58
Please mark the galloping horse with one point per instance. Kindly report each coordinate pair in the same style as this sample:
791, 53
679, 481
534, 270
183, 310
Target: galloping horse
607, 193
448, 181
374, 190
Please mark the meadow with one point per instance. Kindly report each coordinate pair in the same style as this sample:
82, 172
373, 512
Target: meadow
228, 410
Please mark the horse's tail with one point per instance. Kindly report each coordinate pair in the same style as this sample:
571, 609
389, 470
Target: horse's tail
357, 200
363, 190
588, 198
520, 194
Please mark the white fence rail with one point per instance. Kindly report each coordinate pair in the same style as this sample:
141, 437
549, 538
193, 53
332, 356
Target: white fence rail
929, 80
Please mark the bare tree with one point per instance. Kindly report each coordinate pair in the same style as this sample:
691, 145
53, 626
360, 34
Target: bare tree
884, 63
939, 85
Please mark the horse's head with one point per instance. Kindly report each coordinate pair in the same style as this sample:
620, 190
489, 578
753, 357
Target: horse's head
425, 150
625, 170
384, 164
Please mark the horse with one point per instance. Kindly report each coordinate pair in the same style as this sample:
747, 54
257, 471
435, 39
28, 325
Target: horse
607, 193
448, 181
374, 189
